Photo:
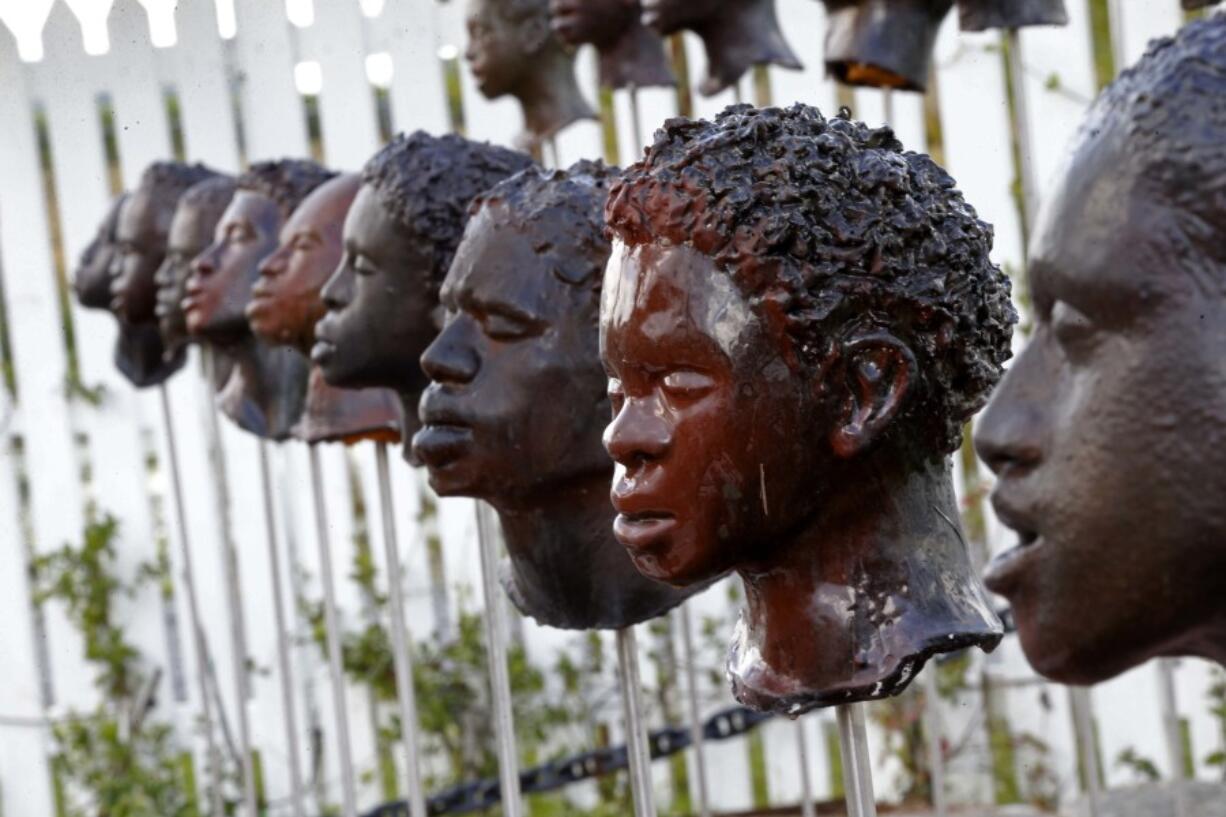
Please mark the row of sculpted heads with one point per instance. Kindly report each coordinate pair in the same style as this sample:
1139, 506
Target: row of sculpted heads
881, 43
790, 319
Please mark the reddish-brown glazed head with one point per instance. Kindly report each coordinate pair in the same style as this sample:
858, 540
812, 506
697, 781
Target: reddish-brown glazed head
797, 319
631, 55
517, 403
191, 230
1107, 434
736, 34
513, 51
399, 238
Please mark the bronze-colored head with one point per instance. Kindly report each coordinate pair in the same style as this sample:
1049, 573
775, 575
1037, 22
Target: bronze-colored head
736, 34
1106, 433
798, 318
399, 238
92, 278
191, 230
517, 403
222, 276
141, 234
630, 53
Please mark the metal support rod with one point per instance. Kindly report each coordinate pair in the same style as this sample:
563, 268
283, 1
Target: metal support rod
238, 628
933, 731
289, 706
807, 806
638, 750
1083, 731
636, 124
1174, 734
203, 660
857, 766
1021, 108
496, 649
695, 711
401, 655
336, 672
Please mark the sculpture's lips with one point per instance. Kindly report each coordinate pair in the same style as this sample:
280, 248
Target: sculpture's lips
1008, 569
642, 530
322, 351
439, 445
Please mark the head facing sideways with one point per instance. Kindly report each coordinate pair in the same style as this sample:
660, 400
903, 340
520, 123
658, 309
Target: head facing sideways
140, 237
599, 22
1106, 433
400, 234
220, 282
787, 294
517, 401
285, 302
92, 278
505, 37
191, 230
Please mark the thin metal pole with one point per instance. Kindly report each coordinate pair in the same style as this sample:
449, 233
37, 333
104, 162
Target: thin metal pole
857, 766
1021, 108
289, 706
936, 752
401, 655
1083, 730
1174, 734
203, 660
496, 649
336, 672
238, 628
636, 123
807, 807
691, 689
638, 750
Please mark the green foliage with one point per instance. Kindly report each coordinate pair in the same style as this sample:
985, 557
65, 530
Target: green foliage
113, 761
1143, 769
1217, 708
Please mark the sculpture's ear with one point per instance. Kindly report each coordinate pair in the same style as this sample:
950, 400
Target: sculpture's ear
535, 32
878, 371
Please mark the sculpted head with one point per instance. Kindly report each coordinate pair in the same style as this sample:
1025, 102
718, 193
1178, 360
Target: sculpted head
222, 276
191, 230
599, 22
399, 237
671, 16
517, 401
285, 302
789, 298
92, 278
883, 43
981, 15
506, 39
141, 234
1105, 435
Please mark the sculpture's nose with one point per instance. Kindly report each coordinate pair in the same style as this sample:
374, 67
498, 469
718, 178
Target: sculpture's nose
451, 357
638, 433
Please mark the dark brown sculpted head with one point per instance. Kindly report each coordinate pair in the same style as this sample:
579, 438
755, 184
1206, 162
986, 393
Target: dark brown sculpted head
286, 304
1107, 433
191, 230
882, 43
981, 15
400, 235
92, 278
512, 50
736, 34
797, 319
264, 393
631, 55
517, 403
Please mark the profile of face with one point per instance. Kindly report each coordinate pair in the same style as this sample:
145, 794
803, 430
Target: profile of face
1105, 432
380, 304
671, 16
714, 425
883, 43
92, 278
222, 276
500, 49
592, 21
140, 247
191, 231
516, 402
285, 301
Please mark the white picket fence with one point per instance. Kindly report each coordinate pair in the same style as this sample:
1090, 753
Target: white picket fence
43, 494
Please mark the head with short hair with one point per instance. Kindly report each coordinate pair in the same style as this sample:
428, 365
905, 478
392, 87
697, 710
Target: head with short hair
286, 181
1100, 432
141, 234
506, 39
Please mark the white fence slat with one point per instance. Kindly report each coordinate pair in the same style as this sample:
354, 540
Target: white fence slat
804, 25
497, 121
418, 96
274, 123
1138, 23
655, 106
585, 139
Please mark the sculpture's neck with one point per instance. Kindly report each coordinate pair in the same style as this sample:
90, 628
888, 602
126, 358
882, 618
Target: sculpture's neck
347, 415
852, 605
141, 357
636, 59
549, 95
266, 388
410, 424
741, 36
566, 569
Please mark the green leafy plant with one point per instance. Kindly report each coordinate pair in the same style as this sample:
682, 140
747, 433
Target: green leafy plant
1217, 708
1143, 769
